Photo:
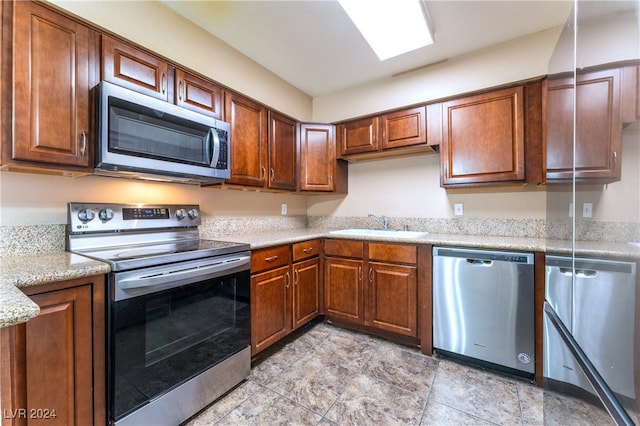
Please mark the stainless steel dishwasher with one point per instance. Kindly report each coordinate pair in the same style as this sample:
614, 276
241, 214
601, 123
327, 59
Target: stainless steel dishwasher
483, 308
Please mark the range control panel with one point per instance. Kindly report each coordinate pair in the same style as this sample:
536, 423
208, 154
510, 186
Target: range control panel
103, 217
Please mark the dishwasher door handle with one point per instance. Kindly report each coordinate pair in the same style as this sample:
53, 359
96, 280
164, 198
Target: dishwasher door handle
480, 262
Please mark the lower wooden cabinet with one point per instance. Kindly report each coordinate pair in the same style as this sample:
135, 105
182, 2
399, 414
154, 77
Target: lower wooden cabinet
372, 284
285, 291
343, 294
53, 366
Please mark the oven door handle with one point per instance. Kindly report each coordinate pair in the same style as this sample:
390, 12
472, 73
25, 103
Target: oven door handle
178, 276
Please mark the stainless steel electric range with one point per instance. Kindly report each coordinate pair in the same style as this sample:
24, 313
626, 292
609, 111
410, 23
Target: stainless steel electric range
178, 314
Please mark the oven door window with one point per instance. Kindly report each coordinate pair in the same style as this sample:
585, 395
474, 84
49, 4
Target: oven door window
163, 339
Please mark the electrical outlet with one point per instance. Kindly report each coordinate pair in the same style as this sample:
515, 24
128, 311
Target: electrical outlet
587, 210
570, 209
284, 209
458, 209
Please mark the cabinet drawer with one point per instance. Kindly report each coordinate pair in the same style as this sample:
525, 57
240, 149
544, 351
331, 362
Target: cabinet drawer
269, 258
393, 253
344, 248
305, 249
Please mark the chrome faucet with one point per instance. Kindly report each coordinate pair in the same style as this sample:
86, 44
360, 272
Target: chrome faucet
384, 221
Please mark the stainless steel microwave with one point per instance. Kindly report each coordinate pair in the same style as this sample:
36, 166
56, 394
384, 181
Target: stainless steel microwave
147, 138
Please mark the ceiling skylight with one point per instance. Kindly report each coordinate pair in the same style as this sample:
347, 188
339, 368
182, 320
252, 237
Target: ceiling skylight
391, 27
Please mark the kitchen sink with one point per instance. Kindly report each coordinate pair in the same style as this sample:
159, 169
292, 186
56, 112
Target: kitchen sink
380, 233
637, 244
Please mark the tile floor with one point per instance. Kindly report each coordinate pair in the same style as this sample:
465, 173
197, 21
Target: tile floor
332, 376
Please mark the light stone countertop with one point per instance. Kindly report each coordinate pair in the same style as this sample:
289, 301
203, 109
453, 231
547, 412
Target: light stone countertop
19, 271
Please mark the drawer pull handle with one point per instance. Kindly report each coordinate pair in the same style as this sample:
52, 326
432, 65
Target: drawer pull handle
270, 259
307, 250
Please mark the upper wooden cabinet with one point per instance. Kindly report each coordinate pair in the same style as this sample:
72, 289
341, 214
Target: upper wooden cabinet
403, 128
319, 168
483, 138
358, 136
248, 140
52, 74
599, 101
128, 66
198, 94
390, 134
282, 152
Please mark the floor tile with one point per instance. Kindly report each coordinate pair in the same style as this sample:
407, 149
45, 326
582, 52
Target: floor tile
312, 382
531, 404
563, 410
476, 392
349, 350
266, 407
439, 414
368, 401
411, 371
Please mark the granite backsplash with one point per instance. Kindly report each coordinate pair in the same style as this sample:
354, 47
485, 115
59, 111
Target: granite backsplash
35, 239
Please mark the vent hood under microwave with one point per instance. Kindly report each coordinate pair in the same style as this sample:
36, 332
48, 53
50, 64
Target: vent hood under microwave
142, 137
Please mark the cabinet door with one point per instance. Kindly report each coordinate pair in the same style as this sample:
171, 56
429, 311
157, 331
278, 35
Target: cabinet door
53, 356
483, 138
270, 307
598, 127
393, 298
404, 128
51, 87
343, 293
306, 291
248, 140
358, 136
282, 152
317, 157
127, 66
197, 94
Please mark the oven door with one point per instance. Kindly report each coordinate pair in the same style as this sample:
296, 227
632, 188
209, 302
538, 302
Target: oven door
170, 323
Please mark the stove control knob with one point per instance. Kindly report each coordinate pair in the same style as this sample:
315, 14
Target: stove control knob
181, 214
105, 215
86, 215
193, 214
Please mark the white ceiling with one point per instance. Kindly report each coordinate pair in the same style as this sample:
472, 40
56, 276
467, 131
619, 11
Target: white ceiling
313, 45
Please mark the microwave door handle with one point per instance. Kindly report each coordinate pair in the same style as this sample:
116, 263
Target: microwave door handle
213, 152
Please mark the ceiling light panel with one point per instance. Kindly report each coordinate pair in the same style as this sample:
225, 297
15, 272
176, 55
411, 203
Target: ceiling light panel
391, 27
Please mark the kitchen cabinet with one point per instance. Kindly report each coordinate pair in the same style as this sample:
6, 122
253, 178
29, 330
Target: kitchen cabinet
264, 145
599, 96
249, 140
282, 152
136, 69
483, 138
358, 136
53, 365
307, 282
285, 291
320, 170
393, 301
393, 133
372, 284
343, 286
133, 68
52, 75
270, 296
